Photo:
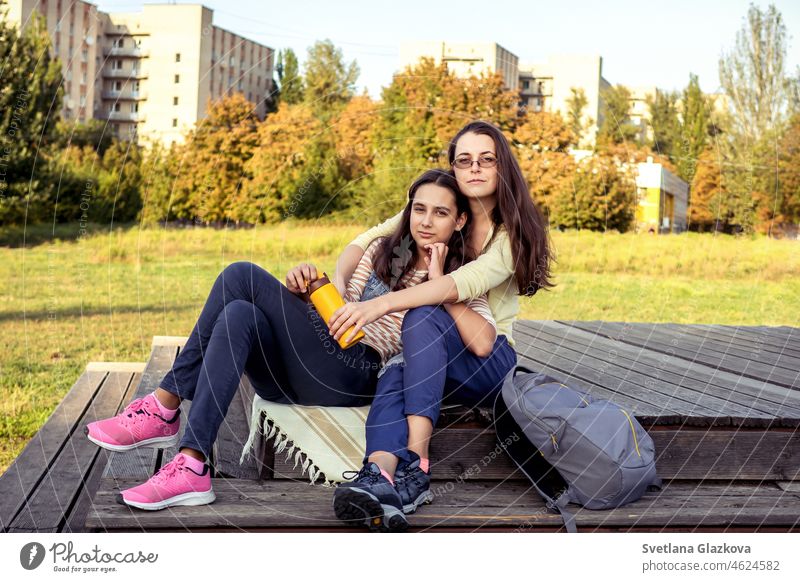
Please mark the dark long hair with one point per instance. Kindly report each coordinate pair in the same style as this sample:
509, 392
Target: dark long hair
398, 253
524, 222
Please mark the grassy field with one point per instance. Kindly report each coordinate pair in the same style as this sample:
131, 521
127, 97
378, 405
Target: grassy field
66, 301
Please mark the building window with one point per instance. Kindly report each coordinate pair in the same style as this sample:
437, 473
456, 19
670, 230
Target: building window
174, 100
136, 88
177, 78
526, 84
115, 106
134, 107
117, 43
117, 85
174, 122
177, 57
116, 65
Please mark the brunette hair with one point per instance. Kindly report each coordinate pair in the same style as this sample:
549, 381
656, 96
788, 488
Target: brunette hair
397, 254
524, 222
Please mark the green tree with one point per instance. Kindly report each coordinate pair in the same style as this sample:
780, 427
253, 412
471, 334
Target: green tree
576, 104
602, 197
94, 134
754, 79
329, 81
615, 115
30, 101
694, 130
753, 74
664, 122
289, 78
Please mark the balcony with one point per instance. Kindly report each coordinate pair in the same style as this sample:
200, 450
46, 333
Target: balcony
124, 74
123, 116
112, 51
125, 95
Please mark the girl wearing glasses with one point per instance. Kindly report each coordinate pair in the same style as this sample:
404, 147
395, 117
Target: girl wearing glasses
509, 237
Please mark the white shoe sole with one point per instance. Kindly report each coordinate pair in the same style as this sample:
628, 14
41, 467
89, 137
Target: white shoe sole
193, 498
425, 497
157, 442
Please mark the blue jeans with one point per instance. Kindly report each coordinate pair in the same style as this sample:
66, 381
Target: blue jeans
438, 367
252, 324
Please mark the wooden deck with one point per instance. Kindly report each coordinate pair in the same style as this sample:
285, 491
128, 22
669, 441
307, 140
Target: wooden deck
721, 403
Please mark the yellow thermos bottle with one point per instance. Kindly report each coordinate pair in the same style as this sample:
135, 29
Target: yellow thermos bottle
326, 300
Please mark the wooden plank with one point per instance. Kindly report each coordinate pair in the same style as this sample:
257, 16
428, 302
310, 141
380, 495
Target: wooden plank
741, 454
169, 340
670, 367
133, 367
75, 521
743, 337
710, 345
743, 403
713, 401
46, 508
233, 435
638, 399
681, 453
30, 467
478, 504
141, 463
634, 336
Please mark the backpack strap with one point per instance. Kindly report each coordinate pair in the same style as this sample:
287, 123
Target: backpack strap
560, 505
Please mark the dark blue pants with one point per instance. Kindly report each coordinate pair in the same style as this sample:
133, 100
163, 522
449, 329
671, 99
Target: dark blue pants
438, 368
251, 324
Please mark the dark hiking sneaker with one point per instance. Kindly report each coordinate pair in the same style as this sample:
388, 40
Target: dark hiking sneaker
369, 499
413, 484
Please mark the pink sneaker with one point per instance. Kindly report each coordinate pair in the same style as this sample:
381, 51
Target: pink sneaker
174, 484
139, 425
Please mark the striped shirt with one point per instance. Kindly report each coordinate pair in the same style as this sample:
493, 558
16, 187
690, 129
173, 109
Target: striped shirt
384, 334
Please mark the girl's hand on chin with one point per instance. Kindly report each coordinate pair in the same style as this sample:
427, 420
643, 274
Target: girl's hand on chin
358, 314
437, 252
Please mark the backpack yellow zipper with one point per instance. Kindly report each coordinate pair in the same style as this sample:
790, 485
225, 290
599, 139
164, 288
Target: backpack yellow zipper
633, 432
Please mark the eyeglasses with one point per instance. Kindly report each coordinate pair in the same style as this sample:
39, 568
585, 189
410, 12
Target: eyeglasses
465, 162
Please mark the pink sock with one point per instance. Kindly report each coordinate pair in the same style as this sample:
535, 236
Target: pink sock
167, 413
193, 463
423, 464
385, 474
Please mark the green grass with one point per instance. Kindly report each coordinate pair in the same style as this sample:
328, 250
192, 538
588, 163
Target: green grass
65, 301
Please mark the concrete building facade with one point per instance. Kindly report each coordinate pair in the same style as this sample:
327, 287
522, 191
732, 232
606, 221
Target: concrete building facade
151, 74
465, 59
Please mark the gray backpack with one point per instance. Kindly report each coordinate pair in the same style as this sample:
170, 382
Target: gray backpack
574, 448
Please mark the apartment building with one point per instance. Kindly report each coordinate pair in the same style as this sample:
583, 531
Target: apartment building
149, 74
548, 87
465, 59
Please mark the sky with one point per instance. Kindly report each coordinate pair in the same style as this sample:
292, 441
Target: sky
642, 43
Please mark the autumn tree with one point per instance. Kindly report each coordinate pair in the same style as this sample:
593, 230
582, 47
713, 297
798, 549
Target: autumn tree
540, 143
214, 162
295, 170
422, 109
706, 192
